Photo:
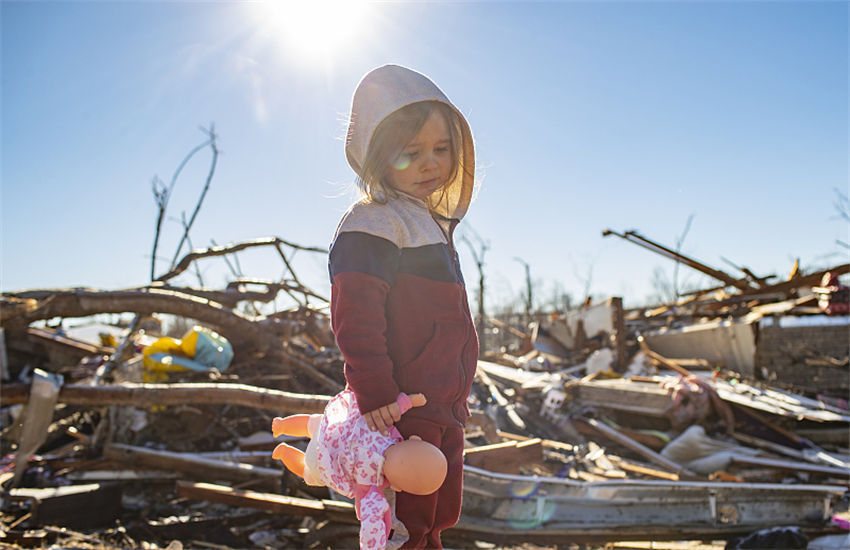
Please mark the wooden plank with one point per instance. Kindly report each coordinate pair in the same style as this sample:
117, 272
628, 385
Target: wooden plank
505, 457
630, 466
72, 505
664, 362
278, 504
649, 399
611, 434
190, 464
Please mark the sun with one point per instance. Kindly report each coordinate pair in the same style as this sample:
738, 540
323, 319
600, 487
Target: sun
313, 30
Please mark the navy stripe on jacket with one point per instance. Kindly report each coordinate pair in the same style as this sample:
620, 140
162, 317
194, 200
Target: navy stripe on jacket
366, 253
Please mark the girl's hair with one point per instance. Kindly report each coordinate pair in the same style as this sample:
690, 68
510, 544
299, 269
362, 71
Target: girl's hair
391, 137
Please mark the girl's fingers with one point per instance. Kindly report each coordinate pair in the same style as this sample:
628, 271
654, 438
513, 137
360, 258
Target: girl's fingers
395, 412
387, 419
378, 422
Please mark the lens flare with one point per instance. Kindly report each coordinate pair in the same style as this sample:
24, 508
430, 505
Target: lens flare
530, 515
524, 489
401, 162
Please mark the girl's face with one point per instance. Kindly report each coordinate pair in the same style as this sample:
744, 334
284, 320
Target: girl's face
424, 165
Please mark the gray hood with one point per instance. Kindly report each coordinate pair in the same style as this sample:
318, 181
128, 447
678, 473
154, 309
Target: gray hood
387, 89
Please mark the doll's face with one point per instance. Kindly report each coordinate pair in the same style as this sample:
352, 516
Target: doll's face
425, 163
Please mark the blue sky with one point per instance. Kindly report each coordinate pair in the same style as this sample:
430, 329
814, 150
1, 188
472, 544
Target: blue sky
587, 115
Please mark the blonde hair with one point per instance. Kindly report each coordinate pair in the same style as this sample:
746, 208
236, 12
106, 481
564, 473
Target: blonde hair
391, 137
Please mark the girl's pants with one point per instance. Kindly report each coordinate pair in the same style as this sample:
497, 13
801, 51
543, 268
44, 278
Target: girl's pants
427, 516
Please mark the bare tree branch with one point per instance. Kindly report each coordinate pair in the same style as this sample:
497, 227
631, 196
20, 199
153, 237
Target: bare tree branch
842, 204
162, 195
184, 263
189, 240
679, 242
212, 145
528, 296
478, 256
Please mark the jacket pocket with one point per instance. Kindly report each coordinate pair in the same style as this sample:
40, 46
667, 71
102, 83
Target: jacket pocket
438, 370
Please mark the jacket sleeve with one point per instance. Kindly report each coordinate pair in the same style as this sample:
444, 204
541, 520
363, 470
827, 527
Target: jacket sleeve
362, 268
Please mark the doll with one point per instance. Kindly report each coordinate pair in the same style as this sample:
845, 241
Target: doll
345, 455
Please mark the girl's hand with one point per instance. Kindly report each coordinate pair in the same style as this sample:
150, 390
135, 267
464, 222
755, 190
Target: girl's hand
383, 417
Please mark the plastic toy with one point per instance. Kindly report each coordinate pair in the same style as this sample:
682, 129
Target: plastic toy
199, 350
345, 455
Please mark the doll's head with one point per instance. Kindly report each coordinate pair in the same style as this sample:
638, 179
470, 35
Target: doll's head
414, 466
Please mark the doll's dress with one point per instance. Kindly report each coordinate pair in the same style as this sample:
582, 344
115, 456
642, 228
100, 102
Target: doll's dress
345, 455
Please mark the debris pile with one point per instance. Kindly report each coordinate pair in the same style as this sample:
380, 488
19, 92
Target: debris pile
713, 418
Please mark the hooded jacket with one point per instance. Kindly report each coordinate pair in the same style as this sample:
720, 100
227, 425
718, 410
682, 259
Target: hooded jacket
399, 308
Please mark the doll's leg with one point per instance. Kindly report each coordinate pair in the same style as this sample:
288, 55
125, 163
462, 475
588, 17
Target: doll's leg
293, 458
299, 425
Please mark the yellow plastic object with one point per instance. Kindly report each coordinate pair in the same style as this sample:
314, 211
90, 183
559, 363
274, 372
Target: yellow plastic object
156, 369
200, 349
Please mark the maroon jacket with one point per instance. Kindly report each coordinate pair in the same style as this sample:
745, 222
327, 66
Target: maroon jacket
399, 309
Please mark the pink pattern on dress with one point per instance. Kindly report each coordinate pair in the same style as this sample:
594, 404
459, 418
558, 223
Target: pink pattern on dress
350, 460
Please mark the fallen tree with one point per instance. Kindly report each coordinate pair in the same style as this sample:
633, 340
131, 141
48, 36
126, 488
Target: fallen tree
254, 333
149, 395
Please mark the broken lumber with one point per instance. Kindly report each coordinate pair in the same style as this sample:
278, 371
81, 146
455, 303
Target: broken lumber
636, 238
643, 398
664, 362
501, 400
149, 395
72, 505
634, 467
506, 457
189, 463
278, 504
593, 426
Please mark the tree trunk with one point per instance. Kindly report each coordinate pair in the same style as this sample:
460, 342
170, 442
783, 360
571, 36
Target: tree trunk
149, 395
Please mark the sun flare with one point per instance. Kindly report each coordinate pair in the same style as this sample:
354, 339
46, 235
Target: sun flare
314, 29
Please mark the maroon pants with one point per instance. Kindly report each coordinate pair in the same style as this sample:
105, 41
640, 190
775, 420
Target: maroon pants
427, 516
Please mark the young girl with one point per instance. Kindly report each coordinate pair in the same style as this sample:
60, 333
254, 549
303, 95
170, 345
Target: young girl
398, 304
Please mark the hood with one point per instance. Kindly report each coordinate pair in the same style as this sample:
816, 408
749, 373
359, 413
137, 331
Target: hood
387, 89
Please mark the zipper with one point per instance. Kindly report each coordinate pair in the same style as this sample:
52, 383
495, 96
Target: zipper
449, 236
464, 304
459, 397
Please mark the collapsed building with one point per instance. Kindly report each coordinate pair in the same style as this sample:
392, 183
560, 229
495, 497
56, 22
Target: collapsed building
719, 416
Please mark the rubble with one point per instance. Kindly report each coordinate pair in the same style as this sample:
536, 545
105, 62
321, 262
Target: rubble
710, 419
